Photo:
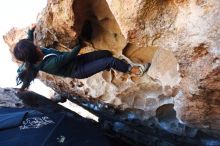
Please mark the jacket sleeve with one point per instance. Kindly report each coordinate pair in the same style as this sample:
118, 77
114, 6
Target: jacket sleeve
66, 57
30, 34
51, 50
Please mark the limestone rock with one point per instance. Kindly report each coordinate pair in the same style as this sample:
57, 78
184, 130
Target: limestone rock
8, 98
181, 39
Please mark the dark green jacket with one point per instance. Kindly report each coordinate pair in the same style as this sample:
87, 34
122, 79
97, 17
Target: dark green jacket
59, 63
56, 62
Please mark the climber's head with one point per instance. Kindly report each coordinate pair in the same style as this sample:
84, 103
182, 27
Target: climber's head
26, 51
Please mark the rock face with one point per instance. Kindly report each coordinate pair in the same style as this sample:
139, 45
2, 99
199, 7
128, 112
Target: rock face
8, 98
181, 38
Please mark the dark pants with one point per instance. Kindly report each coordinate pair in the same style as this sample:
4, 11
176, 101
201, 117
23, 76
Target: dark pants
91, 63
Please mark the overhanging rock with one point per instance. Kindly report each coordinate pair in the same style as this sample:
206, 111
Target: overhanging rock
180, 38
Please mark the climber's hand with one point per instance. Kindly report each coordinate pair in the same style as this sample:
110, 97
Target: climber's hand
32, 26
21, 90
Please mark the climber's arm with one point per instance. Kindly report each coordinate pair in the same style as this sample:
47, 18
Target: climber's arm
66, 57
51, 51
30, 32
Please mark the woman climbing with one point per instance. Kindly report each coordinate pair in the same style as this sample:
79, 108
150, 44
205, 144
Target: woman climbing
66, 64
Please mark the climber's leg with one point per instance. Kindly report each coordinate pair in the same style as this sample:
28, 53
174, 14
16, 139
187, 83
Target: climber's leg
86, 69
95, 55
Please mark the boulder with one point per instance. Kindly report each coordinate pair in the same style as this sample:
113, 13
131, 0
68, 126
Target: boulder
180, 38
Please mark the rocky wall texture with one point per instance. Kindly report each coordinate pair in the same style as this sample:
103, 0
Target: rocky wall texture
181, 39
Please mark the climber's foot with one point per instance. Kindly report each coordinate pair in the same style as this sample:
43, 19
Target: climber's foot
135, 70
139, 70
144, 67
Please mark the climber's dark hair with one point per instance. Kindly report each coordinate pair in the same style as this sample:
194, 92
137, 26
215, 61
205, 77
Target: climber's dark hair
26, 51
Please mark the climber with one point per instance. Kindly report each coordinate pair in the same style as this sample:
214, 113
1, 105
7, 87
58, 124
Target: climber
66, 64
